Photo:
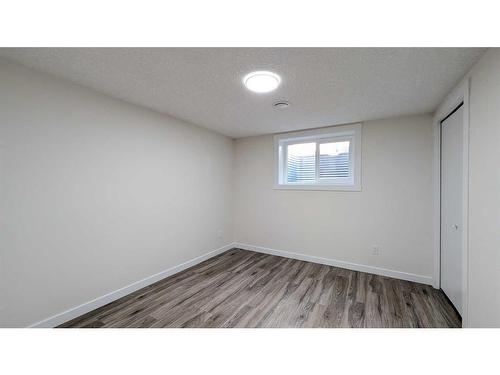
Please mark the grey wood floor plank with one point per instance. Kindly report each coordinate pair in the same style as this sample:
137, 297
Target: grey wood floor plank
247, 289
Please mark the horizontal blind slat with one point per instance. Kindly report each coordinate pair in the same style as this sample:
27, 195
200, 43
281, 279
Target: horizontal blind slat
301, 168
334, 166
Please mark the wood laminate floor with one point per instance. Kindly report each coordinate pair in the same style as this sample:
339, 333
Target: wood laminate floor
242, 288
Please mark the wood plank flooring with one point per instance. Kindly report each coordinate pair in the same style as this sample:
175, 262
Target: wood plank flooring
242, 288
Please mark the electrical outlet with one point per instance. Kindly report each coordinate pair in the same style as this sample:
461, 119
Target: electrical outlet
375, 250
219, 234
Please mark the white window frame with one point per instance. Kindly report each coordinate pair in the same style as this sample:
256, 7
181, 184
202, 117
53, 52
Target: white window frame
339, 133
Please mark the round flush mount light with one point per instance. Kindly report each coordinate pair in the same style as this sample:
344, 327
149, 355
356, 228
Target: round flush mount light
261, 81
282, 104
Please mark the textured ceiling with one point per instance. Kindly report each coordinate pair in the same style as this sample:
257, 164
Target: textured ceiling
325, 86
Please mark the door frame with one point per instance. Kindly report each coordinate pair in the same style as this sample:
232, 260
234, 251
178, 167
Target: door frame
458, 95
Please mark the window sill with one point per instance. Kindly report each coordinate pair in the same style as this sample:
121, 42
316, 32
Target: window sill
318, 187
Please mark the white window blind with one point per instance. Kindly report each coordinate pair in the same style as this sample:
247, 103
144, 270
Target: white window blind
334, 160
301, 163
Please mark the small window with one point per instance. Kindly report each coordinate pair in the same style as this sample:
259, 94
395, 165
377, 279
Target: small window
323, 159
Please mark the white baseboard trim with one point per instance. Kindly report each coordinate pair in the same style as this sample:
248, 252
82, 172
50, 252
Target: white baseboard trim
339, 263
75, 312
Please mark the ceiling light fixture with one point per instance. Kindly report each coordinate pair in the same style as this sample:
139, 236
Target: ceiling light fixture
261, 81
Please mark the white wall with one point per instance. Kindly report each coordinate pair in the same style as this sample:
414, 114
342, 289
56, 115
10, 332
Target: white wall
393, 210
96, 194
484, 192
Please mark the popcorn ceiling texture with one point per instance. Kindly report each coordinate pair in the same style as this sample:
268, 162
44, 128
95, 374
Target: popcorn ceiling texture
325, 86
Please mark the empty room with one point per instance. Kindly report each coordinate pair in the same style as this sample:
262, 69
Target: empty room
252, 187
177, 195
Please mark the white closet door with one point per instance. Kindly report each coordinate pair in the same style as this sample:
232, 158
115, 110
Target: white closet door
451, 207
